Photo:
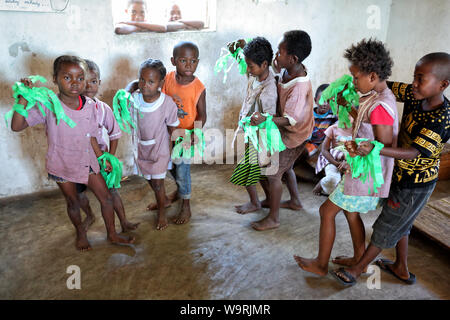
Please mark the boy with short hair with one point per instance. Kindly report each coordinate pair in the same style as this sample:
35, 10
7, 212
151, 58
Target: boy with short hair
424, 131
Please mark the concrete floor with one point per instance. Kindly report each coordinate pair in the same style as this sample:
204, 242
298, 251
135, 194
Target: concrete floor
216, 256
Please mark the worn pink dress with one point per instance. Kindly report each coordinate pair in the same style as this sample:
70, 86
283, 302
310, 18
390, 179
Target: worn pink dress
70, 154
151, 138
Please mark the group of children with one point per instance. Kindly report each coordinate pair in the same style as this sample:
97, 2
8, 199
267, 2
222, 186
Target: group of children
165, 102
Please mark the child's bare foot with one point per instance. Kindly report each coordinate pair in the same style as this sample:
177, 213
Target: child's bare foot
184, 216
162, 222
118, 239
248, 207
291, 204
129, 226
317, 189
311, 265
265, 224
90, 219
168, 201
347, 261
82, 242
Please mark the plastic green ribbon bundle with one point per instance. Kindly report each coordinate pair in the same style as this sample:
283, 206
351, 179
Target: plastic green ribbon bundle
37, 96
121, 103
112, 178
330, 94
268, 131
179, 152
238, 56
362, 167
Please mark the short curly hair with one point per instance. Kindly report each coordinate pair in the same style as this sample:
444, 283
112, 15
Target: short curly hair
93, 67
69, 59
298, 43
259, 50
153, 64
371, 56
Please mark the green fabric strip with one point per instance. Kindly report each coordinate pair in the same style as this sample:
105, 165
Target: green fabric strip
350, 95
112, 178
121, 102
187, 153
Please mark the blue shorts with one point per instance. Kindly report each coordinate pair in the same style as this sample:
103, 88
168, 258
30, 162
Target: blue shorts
398, 214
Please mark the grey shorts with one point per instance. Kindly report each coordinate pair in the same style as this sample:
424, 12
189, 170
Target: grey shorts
398, 214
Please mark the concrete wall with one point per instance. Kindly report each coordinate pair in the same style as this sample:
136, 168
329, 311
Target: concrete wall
417, 28
31, 41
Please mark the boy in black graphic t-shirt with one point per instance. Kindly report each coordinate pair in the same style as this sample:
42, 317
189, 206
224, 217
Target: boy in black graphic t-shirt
423, 133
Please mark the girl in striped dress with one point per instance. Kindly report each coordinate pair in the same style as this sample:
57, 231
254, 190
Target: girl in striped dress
262, 97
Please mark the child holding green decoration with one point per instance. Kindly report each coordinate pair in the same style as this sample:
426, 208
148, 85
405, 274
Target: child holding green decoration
109, 131
423, 133
156, 121
261, 96
294, 119
189, 94
70, 157
377, 119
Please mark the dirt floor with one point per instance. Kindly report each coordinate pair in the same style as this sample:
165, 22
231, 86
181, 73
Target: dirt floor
216, 256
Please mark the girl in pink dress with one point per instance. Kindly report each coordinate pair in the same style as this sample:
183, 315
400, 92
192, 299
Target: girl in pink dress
70, 157
156, 118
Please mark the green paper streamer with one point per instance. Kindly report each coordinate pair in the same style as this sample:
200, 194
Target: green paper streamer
268, 131
112, 178
362, 167
238, 56
350, 95
37, 96
179, 152
121, 103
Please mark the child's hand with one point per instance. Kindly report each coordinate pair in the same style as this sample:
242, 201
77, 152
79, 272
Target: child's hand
232, 46
351, 147
344, 167
364, 148
257, 118
108, 167
27, 82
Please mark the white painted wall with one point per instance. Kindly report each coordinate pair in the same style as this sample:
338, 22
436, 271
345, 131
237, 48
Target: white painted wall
333, 26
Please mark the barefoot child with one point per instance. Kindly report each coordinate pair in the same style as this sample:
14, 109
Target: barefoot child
370, 65
154, 128
107, 123
261, 93
295, 121
189, 94
331, 160
70, 157
423, 133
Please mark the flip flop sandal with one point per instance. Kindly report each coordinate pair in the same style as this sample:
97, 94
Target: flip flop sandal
384, 263
342, 281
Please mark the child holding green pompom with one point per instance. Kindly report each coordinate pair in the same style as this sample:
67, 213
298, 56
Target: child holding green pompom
70, 157
377, 119
109, 128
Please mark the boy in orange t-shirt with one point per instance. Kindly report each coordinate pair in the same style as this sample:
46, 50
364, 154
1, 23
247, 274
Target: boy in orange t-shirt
189, 94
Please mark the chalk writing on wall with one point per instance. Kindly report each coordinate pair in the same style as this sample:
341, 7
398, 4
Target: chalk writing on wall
32, 5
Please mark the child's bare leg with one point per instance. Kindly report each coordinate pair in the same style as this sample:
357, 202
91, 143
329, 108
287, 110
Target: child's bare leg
369, 255
266, 187
253, 205
169, 199
291, 182
319, 265
98, 186
120, 211
182, 174
358, 233
73, 210
84, 204
160, 194
271, 221
400, 266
